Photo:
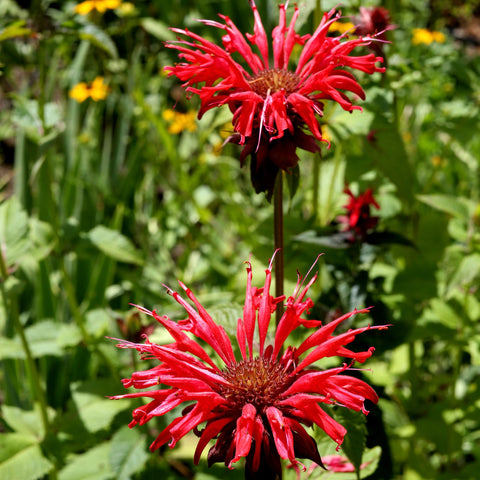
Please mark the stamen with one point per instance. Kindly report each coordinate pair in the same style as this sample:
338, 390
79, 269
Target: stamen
271, 81
259, 381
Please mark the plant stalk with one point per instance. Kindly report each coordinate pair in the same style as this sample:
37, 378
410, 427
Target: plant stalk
278, 241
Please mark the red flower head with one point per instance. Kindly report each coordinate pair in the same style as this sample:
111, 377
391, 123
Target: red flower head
272, 103
358, 218
374, 21
254, 403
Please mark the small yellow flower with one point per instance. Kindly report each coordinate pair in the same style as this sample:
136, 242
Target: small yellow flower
423, 35
341, 27
226, 131
100, 5
126, 9
168, 115
180, 121
80, 92
438, 37
97, 90
436, 160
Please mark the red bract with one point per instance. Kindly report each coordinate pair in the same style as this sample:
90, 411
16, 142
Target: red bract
359, 219
254, 403
272, 102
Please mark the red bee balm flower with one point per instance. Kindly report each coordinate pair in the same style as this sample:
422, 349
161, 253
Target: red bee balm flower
358, 218
272, 103
254, 404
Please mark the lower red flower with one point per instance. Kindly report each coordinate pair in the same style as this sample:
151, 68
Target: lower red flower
257, 402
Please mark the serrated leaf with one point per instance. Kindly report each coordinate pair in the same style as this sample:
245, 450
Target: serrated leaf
96, 411
21, 458
91, 465
44, 337
114, 245
354, 442
127, 453
25, 422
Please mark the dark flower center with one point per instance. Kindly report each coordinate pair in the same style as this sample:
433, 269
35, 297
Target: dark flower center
259, 381
270, 81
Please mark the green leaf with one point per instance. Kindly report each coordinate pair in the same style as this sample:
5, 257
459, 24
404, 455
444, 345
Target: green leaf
26, 422
388, 152
446, 203
127, 453
466, 273
13, 230
21, 458
293, 180
44, 338
115, 245
99, 38
91, 465
354, 442
96, 411
16, 29
157, 29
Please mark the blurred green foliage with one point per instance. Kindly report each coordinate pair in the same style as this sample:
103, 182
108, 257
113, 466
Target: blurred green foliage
101, 205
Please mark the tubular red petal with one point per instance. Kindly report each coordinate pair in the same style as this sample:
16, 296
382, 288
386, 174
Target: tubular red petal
244, 433
213, 428
259, 38
278, 35
282, 434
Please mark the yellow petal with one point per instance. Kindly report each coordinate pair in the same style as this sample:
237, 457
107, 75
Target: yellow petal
79, 92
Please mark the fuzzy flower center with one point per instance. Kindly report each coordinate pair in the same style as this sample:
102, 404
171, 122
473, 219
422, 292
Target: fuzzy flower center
259, 381
270, 81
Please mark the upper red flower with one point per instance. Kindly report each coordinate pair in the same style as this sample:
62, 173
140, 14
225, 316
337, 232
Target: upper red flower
272, 102
359, 219
255, 402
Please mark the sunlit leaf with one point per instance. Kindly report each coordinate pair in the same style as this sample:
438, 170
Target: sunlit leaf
115, 245
128, 453
91, 465
21, 458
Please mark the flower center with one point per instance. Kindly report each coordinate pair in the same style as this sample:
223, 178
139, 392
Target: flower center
259, 381
270, 81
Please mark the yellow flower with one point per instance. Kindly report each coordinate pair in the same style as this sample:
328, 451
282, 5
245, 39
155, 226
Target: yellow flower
100, 5
423, 35
97, 90
438, 37
341, 27
80, 92
168, 115
180, 121
126, 8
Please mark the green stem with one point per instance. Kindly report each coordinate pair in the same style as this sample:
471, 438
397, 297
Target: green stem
11, 308
78, 317
316, 184
278, 241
